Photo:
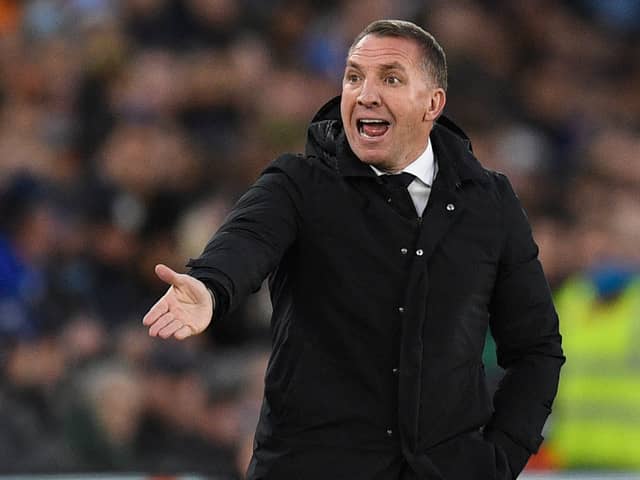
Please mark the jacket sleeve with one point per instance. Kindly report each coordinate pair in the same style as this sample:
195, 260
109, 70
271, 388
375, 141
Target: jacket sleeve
524, 324
252, 239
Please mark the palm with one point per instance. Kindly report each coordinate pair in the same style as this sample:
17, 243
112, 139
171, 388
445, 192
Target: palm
186, 309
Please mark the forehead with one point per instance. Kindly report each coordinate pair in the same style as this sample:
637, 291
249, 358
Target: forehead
373, 50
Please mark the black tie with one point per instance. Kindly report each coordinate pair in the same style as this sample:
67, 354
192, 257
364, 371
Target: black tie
399, 196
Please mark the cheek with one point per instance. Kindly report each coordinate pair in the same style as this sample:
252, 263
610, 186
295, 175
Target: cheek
346, 102
411, 118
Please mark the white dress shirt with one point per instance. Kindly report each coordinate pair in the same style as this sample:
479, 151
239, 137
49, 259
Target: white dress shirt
424, 168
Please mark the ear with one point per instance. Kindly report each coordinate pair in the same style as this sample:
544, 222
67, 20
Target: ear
435, 104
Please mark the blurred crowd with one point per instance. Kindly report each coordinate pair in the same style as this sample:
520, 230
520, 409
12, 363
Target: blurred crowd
129, 128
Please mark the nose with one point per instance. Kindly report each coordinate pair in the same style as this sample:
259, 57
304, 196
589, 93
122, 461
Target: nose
369, 95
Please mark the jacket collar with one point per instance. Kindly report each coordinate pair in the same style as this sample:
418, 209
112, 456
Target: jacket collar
452, 148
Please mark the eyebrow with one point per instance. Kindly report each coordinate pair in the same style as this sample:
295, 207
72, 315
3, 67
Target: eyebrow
384, 67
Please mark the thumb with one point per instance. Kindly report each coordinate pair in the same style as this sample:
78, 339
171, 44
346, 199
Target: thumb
167, 275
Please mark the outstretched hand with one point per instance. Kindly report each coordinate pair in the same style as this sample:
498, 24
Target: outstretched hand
186, 309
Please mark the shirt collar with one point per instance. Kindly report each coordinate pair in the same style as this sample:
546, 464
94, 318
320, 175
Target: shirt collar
423, 167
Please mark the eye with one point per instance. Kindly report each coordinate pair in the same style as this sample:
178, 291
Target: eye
352, 77
391, 80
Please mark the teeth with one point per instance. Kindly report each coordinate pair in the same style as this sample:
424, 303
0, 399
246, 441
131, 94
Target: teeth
369, 121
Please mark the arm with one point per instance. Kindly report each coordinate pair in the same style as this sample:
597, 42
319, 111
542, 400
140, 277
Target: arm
246, 248
253, 239
525, 326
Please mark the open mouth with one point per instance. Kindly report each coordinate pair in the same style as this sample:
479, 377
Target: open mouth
372, 128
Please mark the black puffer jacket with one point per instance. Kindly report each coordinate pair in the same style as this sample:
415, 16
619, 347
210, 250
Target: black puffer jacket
379, 321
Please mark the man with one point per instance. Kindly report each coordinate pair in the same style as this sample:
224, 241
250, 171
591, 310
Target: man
381, 305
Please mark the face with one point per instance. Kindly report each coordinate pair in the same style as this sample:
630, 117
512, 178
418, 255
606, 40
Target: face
388, 102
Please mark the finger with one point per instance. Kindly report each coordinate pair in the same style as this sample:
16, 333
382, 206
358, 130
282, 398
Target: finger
167, 275
160, 308
170, 329
162, 322
183, 332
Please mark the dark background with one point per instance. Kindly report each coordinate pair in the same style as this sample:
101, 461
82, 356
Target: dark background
128, 129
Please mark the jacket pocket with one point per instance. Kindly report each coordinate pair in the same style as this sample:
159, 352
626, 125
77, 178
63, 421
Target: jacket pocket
467, 456
313, 395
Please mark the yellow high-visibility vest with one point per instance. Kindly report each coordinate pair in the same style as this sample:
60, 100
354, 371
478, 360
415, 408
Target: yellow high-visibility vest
596, 419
